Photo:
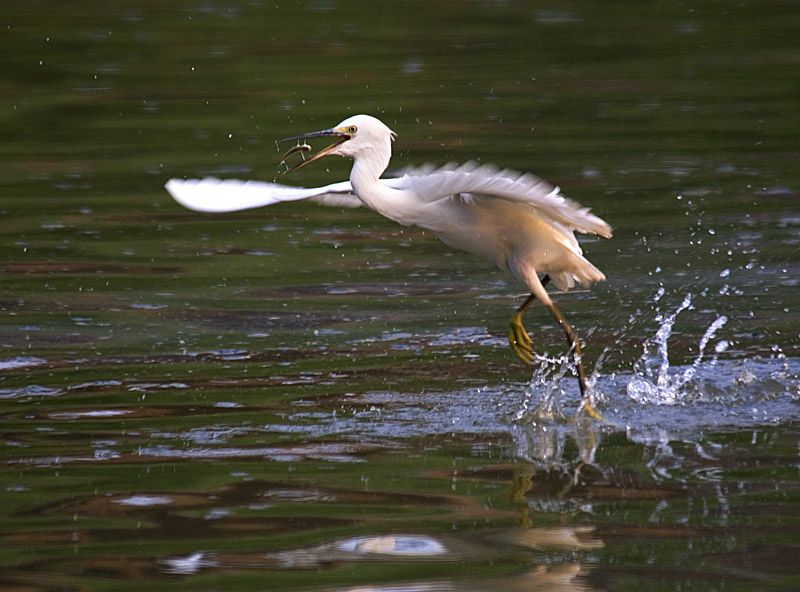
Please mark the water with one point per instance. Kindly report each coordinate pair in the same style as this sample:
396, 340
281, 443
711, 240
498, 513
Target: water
315, 399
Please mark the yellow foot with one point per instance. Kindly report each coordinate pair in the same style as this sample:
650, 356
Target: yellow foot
523, 483
520, 341
588, 408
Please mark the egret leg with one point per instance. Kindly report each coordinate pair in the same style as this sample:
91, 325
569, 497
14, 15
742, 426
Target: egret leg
517, 336
575, 344
528, 275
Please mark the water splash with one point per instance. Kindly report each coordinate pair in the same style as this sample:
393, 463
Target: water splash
658, 401
653, 381
544, 388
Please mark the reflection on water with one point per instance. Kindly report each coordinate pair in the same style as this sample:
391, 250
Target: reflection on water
318, 471
558, 578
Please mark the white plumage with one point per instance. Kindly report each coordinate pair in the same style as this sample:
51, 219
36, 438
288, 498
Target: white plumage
519, 222
231, 195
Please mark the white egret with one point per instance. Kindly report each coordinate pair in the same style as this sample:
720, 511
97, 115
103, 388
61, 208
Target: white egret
517, 221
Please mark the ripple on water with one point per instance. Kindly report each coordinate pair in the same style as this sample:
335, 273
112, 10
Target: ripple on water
343, 452
94, 414
187, 565
401, 545
33, 390
21, 362
143, 500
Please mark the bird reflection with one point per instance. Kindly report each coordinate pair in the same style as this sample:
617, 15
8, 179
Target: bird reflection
544, 578
546, 475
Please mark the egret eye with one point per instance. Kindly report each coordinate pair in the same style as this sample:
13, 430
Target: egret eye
352, 129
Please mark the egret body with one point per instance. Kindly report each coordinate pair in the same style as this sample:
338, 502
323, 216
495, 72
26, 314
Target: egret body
516, 221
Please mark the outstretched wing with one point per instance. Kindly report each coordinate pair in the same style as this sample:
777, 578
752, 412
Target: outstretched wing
230, 195
432, 184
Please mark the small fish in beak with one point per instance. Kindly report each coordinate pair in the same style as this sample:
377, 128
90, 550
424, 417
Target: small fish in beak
298, 148
335, 133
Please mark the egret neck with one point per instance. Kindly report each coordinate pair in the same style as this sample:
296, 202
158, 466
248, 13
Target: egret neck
395, 204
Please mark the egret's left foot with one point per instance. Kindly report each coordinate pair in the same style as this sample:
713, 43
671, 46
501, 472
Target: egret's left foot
520, 341
588, 407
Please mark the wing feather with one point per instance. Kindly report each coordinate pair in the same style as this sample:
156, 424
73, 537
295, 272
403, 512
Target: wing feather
230, 195
471, 178
427, 182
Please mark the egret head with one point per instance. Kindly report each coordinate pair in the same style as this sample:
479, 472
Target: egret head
359, 136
